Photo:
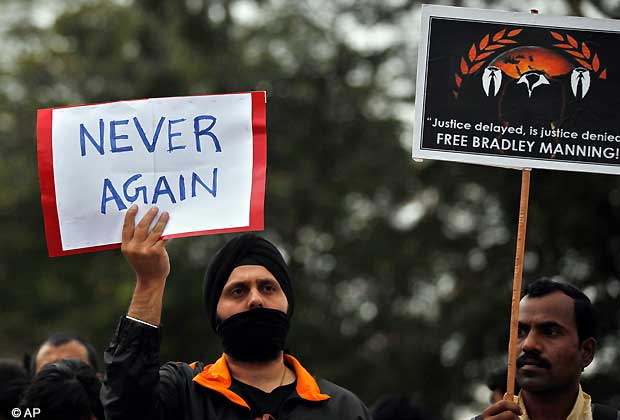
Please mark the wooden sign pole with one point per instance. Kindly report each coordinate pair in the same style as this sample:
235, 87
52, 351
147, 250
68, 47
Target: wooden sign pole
517, 280
516, 286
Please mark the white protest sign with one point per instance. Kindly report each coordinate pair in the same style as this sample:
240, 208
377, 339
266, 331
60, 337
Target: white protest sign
201, 158
518, 90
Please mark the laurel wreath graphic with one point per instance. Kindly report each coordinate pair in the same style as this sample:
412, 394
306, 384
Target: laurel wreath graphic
583, 54
479, 52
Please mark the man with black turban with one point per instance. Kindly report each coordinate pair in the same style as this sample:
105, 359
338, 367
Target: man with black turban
248, 297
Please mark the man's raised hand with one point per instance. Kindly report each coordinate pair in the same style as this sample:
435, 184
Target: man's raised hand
147, 255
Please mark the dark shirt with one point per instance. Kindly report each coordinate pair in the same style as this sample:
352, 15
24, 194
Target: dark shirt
264, 405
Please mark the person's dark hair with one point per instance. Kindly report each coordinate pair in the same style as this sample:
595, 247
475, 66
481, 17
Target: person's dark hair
585, 314
498, 379
400, 407
13, 381
61, 338
65, 390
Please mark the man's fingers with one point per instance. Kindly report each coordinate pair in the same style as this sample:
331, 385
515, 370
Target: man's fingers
142, 228
503, 410
137, 236
129, 223
159, 227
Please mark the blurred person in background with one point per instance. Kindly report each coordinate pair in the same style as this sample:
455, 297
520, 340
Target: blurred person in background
64, 390
496, 382
13, 381
61, 346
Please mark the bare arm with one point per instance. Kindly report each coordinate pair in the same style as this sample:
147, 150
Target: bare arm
146, 253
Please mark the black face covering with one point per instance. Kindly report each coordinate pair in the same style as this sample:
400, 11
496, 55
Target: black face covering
257, 335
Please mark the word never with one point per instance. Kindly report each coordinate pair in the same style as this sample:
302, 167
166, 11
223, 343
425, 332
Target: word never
149, 143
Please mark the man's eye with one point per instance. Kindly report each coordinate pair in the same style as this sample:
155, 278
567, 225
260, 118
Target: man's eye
552, 332
270, 288
521, 332
237, 291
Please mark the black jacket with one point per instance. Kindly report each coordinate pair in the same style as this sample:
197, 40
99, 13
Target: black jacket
137, 388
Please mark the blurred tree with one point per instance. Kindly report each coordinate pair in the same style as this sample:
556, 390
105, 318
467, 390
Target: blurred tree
402, 270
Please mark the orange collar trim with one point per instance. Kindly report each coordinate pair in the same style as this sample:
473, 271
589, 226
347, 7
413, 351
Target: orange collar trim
307, 388
217, 377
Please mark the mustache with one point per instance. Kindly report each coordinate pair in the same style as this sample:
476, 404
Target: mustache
529, 359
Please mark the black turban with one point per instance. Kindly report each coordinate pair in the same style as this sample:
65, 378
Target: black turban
246, 249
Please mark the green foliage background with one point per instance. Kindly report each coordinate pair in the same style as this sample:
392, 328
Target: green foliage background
402, 270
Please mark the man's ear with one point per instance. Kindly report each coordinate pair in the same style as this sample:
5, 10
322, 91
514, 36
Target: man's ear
588, 350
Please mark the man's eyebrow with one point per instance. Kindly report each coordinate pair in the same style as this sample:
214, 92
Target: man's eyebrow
243, 282
234, 283
550, 324
539, 324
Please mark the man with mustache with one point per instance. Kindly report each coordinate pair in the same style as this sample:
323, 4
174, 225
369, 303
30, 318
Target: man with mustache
557, 340
249, 300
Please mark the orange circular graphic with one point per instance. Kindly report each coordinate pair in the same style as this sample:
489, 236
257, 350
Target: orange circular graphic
520, 60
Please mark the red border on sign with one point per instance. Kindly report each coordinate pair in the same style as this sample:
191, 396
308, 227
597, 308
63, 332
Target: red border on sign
48, 190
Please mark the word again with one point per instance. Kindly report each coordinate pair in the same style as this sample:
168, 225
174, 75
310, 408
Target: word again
202, 126
131, 193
